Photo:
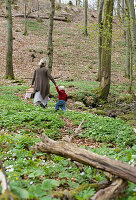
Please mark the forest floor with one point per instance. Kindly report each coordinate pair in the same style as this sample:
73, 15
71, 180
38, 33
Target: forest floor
75, 65
75, 55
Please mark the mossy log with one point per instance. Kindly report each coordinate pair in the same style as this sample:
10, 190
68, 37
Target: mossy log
74, 192
86, 157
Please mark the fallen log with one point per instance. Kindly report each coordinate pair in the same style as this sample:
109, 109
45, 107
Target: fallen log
40, 17
111, 192
86, 157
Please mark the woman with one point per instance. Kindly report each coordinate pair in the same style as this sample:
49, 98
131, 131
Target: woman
41, 84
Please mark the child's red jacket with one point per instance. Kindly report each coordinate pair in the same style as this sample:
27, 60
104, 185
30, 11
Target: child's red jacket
62, 94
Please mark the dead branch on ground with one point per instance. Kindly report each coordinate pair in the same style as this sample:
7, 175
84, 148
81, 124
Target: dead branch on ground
86, 157
70, 138
39, 17
111, 192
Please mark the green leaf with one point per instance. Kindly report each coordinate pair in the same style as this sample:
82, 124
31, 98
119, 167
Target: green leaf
83, 195
64, 174
47, 198
48, 184
22, 193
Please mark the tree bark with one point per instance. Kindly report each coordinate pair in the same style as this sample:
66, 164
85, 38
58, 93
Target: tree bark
106, 50
25, 17
9, 64
133, 38
131, 43
50, 33
127, 54
85, 17
100, 24
68, 150
132, 22
118, 8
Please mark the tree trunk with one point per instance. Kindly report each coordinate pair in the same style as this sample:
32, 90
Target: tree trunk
98, 4
9, 64
118, 8
100, 24
106, 51
133, 23
129, 26
127, 54
133, 37
25, 17
50, 33
85, 17
68, 150
123, 9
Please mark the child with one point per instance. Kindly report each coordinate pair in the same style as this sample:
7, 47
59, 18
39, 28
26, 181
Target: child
62, 98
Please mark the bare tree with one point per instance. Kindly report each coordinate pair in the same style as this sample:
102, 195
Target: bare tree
50, 33
118, 8
25, 17
127, 53
9, 64
85, 17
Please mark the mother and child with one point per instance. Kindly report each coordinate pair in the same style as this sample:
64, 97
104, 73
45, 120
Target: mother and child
40, 81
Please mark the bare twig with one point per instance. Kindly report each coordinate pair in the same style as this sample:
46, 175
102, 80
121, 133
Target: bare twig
69, 139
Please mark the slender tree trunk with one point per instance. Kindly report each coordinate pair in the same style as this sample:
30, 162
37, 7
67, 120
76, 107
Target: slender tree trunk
127, 54
50, 33
98, 4
122, 10
85, 17
106, 50
123, 5
100, 24
25, 18
9, 63
131, 68
118, 8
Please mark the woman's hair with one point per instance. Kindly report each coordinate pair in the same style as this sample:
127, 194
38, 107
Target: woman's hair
42, 62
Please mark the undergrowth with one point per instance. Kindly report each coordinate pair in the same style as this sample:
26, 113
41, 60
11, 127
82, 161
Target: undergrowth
34, 175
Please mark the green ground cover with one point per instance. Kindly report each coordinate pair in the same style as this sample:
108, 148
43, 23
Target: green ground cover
34, 175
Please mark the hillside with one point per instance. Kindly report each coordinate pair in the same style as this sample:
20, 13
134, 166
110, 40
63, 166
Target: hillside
75, 55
